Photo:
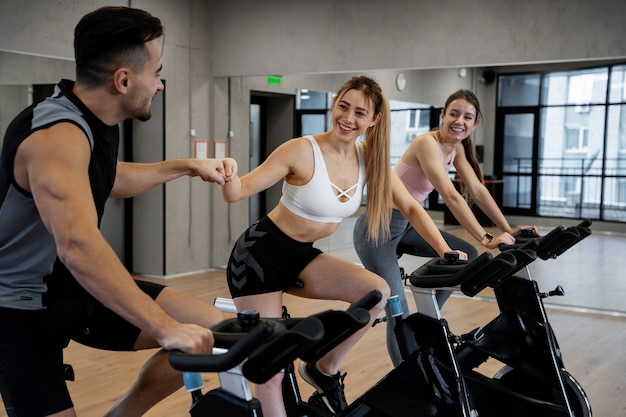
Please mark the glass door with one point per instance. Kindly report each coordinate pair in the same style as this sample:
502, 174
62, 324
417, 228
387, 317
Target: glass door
517, 131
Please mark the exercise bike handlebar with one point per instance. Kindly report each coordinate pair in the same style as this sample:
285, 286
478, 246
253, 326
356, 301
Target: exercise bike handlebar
240, 346
270, 358
337, 326
266, 348
471, 277
367, 302
486, 270
272, 344
553, 244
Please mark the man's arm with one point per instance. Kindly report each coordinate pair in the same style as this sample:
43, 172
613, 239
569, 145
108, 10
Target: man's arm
56, 173
135, 178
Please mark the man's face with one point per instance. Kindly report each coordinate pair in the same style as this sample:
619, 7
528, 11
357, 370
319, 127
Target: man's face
145, 84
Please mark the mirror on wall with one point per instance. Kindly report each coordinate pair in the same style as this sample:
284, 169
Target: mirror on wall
26, 79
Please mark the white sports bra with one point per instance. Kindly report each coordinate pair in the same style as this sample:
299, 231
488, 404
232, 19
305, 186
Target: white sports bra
316, 200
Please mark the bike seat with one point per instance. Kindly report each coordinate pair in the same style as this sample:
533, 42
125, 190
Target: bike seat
401, 249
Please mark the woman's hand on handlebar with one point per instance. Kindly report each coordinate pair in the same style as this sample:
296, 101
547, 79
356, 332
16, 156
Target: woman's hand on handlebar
462, 255
526, 232
501, 239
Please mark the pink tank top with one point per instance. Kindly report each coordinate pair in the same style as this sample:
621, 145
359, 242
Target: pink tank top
415, 180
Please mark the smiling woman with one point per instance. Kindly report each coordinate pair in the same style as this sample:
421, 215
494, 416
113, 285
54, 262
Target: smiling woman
423, 168
323, 176
323, 179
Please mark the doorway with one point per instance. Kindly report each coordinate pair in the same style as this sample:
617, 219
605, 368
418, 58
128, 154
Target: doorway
519, 132
272, 122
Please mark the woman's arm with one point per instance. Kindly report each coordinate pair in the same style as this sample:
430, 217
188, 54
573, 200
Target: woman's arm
479, 193
428, 154
430, 161
421, 221
483, 198
279, 164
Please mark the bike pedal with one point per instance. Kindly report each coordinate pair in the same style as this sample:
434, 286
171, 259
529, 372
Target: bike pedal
558, 291
316, 401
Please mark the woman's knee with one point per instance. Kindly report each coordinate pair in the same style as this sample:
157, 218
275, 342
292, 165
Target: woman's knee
385, 292
384, 287
188, 308
273, 384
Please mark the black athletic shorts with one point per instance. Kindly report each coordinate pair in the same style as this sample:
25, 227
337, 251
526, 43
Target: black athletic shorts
32, 381
265, 260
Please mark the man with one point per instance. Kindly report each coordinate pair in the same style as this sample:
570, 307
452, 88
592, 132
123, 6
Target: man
59, 278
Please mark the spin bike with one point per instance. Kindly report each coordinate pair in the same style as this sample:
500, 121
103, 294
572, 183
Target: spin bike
438, 375
408, 390
533, 381
249, 348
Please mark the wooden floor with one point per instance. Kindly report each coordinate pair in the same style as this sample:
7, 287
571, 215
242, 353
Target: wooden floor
590, 323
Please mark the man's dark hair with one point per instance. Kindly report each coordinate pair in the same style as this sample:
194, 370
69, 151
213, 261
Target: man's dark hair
111, 37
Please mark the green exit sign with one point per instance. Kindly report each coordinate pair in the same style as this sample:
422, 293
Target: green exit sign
274, 79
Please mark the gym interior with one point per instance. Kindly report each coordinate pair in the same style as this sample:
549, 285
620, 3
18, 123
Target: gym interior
224, 60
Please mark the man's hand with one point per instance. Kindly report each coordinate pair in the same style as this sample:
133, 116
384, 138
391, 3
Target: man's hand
213, 170
189, 338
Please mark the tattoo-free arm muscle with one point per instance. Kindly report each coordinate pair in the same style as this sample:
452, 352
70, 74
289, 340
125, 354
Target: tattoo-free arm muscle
53, 165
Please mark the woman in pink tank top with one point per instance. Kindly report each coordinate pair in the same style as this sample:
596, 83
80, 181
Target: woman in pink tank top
422, 168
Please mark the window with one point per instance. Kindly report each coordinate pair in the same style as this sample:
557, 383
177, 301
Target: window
408, 120
571, 161
576, 138
519, 90
312, 111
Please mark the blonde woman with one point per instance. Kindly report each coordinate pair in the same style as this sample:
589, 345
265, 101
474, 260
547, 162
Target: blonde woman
323, 179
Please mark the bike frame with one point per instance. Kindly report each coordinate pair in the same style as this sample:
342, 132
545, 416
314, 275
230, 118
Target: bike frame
439, 374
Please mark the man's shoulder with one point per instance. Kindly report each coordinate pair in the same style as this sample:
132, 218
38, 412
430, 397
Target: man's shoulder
60, 109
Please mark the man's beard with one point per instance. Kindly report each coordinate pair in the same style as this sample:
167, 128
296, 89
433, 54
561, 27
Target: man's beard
144, 116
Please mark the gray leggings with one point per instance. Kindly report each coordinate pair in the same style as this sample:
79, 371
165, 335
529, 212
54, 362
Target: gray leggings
380, 258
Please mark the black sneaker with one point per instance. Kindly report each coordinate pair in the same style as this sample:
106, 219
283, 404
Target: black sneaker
330, 388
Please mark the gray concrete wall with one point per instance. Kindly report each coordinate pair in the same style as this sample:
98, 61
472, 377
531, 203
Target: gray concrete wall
312, 44
294, 36
36, 46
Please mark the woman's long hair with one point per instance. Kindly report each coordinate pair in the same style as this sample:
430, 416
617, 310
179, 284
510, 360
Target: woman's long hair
468, 143
378, 159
